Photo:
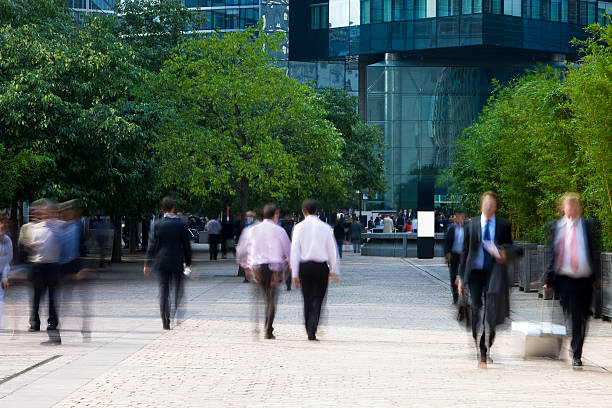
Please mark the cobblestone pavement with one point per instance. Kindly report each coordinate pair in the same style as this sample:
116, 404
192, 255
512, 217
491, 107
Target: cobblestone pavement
388, 339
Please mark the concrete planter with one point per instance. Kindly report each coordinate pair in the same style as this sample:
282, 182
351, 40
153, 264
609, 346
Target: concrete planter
606, 285
529, 268
396, 244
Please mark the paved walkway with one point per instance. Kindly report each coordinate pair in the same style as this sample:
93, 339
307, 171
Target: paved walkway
389, 339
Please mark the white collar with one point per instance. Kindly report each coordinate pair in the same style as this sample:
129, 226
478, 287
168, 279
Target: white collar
170, 215
483, 219
565, 221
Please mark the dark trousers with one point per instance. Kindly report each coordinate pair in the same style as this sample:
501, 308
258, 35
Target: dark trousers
213, 243
575, 296
168, 279
268, 290
314, 277
453, 268
479, 281
340, 243
44, 277
356, 245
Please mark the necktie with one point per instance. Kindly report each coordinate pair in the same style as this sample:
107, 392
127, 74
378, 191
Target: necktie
573, 248
486, 264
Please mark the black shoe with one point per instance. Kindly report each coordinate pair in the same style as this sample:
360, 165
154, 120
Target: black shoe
482, 361
32, 329
577, 362
312, 338
269, 336
52, 342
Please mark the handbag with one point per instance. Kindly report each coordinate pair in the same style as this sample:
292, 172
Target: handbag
464, 311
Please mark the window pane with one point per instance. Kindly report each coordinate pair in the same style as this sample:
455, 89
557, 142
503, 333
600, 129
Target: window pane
232, 21
467, 7
365, 11
420, 9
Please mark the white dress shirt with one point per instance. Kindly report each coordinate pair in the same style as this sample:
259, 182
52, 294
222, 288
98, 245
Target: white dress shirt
265, 243
479, 261
564, 226
45, 242
313, 240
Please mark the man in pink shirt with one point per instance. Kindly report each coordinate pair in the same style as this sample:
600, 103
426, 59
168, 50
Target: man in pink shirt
263, 251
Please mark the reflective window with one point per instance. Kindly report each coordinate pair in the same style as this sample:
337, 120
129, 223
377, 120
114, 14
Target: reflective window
339, 15
471, 7
449, 8
420, 8
101, 4
604, 7
318, 16
402, 10
232, 21
586, 10
512, 8
365, 12
248, 17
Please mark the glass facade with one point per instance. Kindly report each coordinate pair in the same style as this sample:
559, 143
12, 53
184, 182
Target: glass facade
344, 13
604, 8
226, 15
421, 110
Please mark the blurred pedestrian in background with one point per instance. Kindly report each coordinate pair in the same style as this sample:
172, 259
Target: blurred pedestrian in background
169, 251
267, 246
314, 261
45, 247
453, 246
356, 236
214, 237
339, 234
6, 257
71, 267
574, 267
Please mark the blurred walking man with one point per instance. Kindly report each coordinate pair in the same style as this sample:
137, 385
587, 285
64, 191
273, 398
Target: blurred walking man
477, 264
453, 245
268, 249
574, 267
168, 251
314, 261
45, 250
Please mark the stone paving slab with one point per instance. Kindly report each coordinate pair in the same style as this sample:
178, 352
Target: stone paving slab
389, 339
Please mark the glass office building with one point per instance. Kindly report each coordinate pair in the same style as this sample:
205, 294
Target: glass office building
426, 66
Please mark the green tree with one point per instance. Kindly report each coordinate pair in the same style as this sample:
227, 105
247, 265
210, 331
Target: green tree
246, 129
362, 156
589, 86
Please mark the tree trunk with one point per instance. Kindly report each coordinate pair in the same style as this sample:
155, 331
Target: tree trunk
133, 231
116, 253
244, 197
145, 234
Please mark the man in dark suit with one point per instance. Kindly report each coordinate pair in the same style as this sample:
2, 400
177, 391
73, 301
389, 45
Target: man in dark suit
168, 251
477, 263
574, 267
453, 246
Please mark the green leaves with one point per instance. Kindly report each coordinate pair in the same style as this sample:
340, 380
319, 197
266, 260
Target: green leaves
244, 130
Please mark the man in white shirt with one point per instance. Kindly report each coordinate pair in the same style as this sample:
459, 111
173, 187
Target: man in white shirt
314, 261
264, 254
387, 224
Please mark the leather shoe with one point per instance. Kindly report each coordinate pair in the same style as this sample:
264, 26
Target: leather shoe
52, 342
32, 329
577, 362
269, 336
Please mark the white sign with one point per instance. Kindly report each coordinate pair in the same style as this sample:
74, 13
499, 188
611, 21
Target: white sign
427, 224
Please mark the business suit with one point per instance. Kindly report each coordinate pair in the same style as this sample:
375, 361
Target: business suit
169, 249
455, 258
477, 279
575, 292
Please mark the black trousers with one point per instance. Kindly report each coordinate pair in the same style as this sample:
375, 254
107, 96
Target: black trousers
213, 243
44, 277
314, 277
268, 290
576, 296
479, 281
453, 269
168, 280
